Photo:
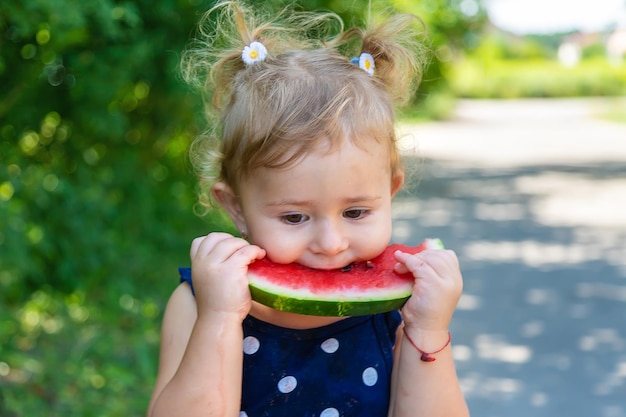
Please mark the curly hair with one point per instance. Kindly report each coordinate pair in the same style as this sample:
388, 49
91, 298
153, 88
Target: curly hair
306, 92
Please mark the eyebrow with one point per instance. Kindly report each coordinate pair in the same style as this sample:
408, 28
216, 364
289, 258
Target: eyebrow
304, 203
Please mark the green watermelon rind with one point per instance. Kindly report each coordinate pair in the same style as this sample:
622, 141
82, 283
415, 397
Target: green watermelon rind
336, 308
345, 304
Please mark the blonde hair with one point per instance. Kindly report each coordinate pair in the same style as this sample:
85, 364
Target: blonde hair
306, 91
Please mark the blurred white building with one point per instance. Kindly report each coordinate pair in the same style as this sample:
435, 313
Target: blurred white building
616, 45
570, 50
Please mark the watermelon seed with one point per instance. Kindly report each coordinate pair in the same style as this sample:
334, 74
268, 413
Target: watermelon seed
347, 268
369, 264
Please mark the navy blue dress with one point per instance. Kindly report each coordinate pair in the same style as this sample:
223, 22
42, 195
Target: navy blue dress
339, 370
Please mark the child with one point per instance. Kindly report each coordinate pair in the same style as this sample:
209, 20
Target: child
307, 168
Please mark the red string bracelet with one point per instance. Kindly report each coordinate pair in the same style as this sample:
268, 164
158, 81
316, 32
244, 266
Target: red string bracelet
426, 356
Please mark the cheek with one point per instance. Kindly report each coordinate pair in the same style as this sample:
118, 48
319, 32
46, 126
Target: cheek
383, 232
279, 247
282, 254
377, 237
379, 240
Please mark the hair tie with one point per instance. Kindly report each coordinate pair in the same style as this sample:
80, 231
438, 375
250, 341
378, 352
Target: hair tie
253, 53
365, 61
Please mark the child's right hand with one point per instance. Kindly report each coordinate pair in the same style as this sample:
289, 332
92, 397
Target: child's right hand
219, 267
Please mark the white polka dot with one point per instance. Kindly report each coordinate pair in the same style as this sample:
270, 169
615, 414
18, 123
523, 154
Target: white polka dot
250, 345
330, 412
330, 345
370, 377
287, 384
243, 414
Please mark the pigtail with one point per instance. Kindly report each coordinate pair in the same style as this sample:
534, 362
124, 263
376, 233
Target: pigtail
214, 59
398, 51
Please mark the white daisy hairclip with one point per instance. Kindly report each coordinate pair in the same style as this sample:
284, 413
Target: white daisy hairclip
253, 53
365, 61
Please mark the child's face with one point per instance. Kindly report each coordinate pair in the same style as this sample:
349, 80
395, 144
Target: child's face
328, 210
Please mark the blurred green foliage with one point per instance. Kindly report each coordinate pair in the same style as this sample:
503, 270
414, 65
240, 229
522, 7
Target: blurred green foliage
505, 66
452, 27
94, 130
537, 78
96, 199
97, 196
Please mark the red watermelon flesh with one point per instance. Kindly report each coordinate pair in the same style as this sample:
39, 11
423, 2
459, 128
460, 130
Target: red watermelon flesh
358, 289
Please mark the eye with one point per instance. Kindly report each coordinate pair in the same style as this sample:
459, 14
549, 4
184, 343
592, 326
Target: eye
354, 214
294, 218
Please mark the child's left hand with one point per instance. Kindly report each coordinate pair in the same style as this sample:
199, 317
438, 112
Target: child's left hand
436, 291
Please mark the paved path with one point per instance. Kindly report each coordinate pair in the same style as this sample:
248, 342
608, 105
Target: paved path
532, 196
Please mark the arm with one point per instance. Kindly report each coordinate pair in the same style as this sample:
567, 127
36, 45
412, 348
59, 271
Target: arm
199, 359
200, 364
427, 388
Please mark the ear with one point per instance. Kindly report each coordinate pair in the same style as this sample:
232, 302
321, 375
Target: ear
227, 198
397, 181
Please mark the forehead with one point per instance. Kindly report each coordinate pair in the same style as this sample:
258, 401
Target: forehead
346, 168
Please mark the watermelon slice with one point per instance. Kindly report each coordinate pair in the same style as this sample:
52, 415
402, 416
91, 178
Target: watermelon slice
358, 289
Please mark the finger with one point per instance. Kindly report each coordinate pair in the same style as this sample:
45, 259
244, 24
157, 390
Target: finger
246, 255
400, 266
195, 244
206, 240
444, 262
228, 250
224, 249
416, 264
202, 246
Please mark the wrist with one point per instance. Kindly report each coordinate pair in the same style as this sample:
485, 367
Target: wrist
208, 317
423, 324
427, 342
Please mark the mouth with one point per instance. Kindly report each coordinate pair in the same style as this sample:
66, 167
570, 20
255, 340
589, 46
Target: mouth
345, 267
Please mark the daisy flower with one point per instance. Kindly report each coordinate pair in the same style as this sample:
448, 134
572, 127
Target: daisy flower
255, 52
366, 62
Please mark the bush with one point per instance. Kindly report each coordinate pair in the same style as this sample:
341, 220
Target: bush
473, 78
96, 199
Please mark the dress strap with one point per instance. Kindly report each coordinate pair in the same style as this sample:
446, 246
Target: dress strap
185, 276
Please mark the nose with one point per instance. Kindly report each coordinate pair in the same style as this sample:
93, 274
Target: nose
329, 239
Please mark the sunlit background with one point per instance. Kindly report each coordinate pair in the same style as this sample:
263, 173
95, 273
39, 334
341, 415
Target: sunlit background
531, 195
556, 16
516, 145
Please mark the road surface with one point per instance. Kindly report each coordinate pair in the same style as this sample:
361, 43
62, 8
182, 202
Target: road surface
532, 196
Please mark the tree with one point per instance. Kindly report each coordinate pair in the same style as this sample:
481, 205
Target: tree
453, 26
94, 125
